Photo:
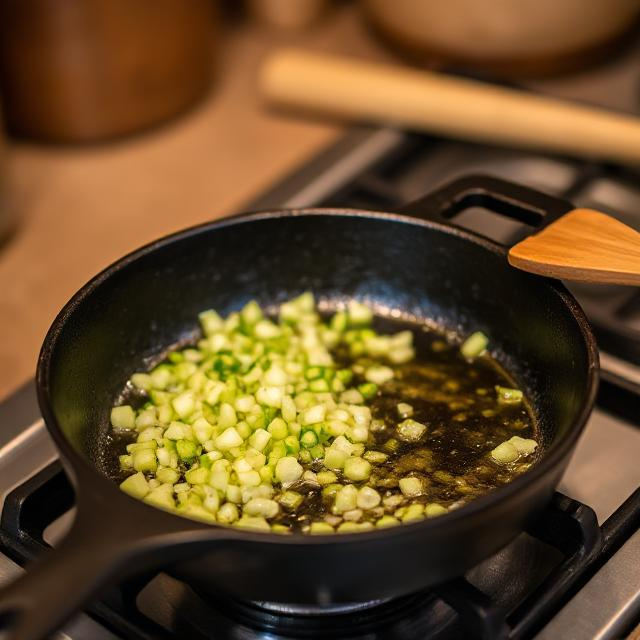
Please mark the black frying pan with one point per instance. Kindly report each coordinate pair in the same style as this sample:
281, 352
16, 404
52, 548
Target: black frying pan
413, 262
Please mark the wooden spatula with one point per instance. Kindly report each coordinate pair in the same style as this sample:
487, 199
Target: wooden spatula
585, 246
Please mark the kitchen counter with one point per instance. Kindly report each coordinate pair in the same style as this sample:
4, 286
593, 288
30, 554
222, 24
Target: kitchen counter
80, 208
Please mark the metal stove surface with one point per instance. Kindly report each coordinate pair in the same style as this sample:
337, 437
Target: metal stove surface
382, 168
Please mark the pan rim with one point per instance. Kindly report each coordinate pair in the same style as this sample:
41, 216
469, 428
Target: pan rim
76, 465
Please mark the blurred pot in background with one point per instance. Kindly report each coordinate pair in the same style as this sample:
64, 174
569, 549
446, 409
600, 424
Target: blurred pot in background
84, 70
287, 14
509, 37
7, 219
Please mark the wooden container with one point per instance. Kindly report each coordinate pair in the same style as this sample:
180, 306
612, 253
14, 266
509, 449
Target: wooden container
505, 37
84, 70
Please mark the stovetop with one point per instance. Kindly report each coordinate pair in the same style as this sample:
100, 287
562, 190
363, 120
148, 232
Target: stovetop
574, 575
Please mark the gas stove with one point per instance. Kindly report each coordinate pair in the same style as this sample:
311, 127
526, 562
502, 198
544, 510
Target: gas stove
573, 575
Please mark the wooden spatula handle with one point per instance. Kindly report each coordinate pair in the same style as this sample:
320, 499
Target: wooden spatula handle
585, 246
439, 104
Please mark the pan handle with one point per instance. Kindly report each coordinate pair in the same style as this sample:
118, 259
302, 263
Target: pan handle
102, 545
511, 200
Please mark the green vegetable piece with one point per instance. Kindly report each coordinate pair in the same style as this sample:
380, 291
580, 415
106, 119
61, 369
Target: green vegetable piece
184, 404
136, 485
326, 477
309, 439
320, 528
525, 446
167, 475
334, 458
375, 457
261, 507
357, 469
278, 429
474, 345
145, 460
505, 453
413, 513
290, 500
123, 417
507, 396
142, 381
358, 314
197, 476
227, 513
368, 498
433, 510
288, 470
228, 439
404, 410
411, 487
378, 374
368, 390
253, 522
387, 521
411, 431
186, 449
346, 499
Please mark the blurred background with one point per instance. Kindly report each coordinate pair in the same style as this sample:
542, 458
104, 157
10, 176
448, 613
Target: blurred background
124, 121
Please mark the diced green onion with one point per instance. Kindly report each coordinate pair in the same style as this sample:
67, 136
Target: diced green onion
309, 439
525, 446
410, 430
378, 374
474, 345
290, 500
505, 453
375, 457
387, 521
368, 498
358, 314
144, 460
253, 522
288, 470
404, 410
411, 486
368, 390
228, 439
507, 396
184, 404
229, 424
346, 499
433, 510
135, 485
413, 512
357, 469
318, 528
261, 507
123, 417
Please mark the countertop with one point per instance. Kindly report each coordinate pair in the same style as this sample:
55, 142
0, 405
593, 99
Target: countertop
80, 208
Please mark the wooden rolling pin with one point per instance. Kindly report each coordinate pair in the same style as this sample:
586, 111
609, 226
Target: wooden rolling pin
440, 104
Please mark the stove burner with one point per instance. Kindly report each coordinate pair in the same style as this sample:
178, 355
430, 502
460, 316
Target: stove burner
288, 609
352, 620
466, 607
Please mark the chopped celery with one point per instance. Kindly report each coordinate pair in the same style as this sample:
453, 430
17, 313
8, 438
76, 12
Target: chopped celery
245, 426
474, 345
123, 417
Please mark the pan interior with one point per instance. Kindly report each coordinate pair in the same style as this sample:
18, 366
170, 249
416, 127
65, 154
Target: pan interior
147, 303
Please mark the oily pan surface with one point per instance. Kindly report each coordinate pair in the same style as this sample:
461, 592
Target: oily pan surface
402, 269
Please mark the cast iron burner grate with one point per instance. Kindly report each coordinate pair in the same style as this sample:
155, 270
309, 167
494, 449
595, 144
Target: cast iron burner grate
510, 595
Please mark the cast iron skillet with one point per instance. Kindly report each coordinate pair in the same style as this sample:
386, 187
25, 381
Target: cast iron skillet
413, 263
